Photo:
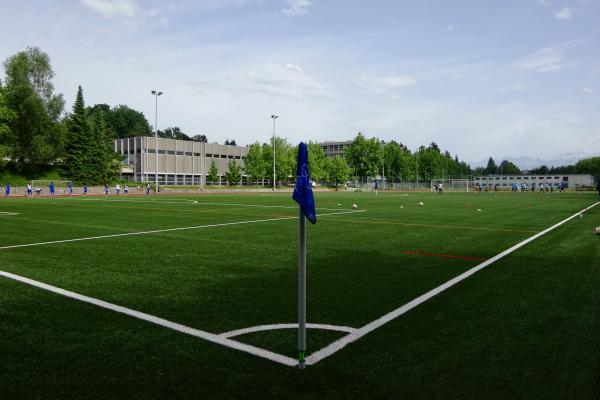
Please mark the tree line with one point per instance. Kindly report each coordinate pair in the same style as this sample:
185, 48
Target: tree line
35, 132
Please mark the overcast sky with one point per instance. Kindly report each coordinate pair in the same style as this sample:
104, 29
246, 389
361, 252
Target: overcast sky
517, 78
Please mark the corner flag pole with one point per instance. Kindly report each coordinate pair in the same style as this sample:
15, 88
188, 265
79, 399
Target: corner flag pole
301, 290
303, 195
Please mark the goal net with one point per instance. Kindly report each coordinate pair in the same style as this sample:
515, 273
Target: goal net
451, 185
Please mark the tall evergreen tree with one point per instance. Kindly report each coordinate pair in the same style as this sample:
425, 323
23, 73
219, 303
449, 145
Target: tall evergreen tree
78, 153
491, 168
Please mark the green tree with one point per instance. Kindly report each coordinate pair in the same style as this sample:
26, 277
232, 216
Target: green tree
337, 171
365, 156
491, 168
508, 168
200, 138
6, 117
213, 173
107, 163
316, 161
79, 157
37, 135
285, 162
173, 133
254, 163
588, 166
233, 174
125, 122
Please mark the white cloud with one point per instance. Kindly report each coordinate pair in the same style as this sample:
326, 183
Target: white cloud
385, 84
297, 7
450, 27
565, 13
272, 79
114, 8
547, 59
542, 2
587, 90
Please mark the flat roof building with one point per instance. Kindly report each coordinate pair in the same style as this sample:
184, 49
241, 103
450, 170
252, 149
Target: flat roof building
333, 149
572, 181
180, 162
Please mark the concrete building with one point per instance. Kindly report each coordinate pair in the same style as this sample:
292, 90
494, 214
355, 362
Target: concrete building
505, 181
333, 149
180, 162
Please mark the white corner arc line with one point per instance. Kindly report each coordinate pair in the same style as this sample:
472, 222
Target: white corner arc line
262, 328
166, 230
362, 331
211, 337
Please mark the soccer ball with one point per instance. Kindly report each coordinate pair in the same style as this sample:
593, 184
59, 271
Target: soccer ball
421, 204
195, 201
354, 206
314, 184
401, 206
479, 209
598, 230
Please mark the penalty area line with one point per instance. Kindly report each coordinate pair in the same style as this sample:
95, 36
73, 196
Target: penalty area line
368, 328
167, 230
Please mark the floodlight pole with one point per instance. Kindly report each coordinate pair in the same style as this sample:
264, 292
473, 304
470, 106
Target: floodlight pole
383, 167
156, 93
274, 118
301, 290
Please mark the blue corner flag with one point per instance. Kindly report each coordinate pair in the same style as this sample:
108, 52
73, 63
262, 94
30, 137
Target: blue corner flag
303, 194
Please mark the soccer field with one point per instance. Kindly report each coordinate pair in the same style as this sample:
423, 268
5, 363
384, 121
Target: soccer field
196, 296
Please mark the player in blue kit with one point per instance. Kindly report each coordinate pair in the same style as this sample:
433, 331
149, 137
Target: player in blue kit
70, 188
106, 189
51, 187
85, 189
7, 190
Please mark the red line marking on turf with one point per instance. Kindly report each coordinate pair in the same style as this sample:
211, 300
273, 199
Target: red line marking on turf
426, 254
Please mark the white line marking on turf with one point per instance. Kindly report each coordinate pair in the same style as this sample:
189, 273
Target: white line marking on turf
201, 203
167, 230
360, 332
261, 328
211, 337
7, 214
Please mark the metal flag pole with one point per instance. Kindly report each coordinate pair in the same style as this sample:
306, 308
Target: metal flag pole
301, 289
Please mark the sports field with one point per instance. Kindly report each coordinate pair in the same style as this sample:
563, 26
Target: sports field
185, 296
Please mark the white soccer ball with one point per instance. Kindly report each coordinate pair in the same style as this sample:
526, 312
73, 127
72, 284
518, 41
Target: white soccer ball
314, 184
598, 230
401, 206
354, 206
195, 201
479, 209
421, 204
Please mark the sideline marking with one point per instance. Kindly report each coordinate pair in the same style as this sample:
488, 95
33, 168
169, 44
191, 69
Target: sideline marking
426, 254
261, 328
201, 203
211, 337
7, 213
167, 230
371, 326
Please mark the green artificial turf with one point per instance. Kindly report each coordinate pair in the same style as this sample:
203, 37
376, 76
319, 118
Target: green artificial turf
525, 327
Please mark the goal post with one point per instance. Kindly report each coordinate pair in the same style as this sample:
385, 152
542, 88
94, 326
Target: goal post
60, 186
452, 185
